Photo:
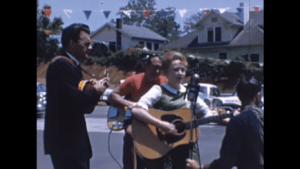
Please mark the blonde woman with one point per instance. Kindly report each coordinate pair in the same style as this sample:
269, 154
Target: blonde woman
168, 97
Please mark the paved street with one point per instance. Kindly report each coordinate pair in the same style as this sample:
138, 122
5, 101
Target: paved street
210, 139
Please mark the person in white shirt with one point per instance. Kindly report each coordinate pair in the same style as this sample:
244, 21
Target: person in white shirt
168, 97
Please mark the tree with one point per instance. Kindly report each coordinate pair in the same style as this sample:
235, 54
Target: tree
47, 44
137, 6
164, 26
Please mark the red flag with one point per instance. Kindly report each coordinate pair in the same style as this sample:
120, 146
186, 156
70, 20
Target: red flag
47, 11
47, 32
146, 13
256, 9
206, 11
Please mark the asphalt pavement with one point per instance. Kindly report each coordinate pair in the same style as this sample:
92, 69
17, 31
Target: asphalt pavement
209, 142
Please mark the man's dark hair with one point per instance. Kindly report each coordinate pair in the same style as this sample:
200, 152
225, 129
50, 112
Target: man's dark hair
72, 33
247, 88
147, 56
146, 59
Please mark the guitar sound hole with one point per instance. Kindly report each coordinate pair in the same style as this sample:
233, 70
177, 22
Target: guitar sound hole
179, 126
176, 120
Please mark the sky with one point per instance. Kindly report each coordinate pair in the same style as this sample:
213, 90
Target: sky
97, 18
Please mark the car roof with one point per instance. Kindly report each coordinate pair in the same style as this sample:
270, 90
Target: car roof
207, 84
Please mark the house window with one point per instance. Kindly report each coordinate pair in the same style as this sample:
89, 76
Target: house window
218, 34
141, 42
223, 55
254, 57
156, 46
214, 19
149, 45
246, 57
210, 35
112, 46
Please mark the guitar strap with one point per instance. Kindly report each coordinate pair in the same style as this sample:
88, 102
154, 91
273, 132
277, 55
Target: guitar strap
72, 63
64, 57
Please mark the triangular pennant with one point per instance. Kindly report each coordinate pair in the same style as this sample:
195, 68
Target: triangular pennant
106, 14
47, 11
68, 12
256, 8
87, 14
146, 13
222, 10
127, 12
182, 12
164, 13
206, 11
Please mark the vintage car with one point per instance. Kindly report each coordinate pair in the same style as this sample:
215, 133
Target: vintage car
233, 102
40, 97
207, 92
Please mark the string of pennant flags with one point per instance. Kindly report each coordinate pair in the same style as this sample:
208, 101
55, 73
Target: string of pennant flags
182, 12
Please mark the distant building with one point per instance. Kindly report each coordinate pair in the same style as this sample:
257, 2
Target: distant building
122, 36
226, 35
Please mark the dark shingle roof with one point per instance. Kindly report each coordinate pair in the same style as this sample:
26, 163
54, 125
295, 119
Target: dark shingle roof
182, 42
253, 32
135, 32
140, 32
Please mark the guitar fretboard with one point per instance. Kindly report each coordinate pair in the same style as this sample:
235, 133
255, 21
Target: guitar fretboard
201, 121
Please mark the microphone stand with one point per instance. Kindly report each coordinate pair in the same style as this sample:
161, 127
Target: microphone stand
193, 90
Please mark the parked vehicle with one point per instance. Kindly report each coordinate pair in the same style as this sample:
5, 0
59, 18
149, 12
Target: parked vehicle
207, 92
233, 101
40, 97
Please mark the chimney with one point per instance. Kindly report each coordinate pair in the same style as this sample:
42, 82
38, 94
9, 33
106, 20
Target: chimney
118, 35
243, 13
119, 23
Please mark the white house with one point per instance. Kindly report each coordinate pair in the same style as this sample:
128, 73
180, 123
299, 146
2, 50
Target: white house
124, 36
226, 35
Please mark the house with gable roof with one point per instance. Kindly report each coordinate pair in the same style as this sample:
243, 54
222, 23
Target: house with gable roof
122, 36
226, 35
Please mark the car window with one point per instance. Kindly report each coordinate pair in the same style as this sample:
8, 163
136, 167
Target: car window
234, 92
203, 89
214, 92
40, 87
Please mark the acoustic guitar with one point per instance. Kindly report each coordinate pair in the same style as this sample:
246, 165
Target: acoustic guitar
151, 143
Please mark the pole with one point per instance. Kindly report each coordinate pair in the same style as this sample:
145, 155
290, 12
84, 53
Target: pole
193, 90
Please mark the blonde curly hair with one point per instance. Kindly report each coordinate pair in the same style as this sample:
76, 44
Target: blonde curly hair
169, 57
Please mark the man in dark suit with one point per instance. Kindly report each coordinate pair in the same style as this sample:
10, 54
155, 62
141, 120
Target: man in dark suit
65, 136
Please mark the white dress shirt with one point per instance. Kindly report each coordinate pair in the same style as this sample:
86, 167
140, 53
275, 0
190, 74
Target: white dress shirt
73, 58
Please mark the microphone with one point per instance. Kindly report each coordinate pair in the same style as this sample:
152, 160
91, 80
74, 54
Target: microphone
193, 87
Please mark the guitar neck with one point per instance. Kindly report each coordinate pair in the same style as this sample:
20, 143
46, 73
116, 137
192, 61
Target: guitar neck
201, 121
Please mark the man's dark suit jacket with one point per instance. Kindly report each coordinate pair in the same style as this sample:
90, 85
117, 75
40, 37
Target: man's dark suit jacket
65, 126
